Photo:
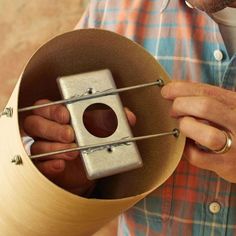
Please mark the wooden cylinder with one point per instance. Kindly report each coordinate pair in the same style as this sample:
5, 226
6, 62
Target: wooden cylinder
32, 205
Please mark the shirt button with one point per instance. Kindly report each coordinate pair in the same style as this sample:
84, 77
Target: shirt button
188, 4
214, 207
218, 55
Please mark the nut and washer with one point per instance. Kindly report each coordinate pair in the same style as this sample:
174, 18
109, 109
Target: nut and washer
8, 112
17, 160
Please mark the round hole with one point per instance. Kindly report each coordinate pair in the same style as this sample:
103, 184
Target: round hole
100, 120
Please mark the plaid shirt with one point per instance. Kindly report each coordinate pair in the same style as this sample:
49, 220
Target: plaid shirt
184, 41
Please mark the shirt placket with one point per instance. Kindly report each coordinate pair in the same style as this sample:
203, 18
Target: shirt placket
229, 76
217, 206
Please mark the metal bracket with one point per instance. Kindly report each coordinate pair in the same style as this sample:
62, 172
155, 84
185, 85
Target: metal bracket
104, 161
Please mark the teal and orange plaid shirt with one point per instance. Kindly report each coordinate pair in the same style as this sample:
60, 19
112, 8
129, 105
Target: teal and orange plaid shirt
192, 201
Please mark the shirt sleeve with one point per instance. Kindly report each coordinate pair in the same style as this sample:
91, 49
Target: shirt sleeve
92, 15
27, 142
83, 22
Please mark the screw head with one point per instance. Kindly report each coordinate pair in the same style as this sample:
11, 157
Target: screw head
90, 91
160, 82
110, 149
176, 132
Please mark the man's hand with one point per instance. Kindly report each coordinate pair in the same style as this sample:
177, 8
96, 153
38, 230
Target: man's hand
50, 128
204, 111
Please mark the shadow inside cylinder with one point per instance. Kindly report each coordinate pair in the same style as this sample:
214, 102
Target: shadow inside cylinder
90, 50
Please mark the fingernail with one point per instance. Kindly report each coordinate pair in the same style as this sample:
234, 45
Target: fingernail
126, 108
57, 164
62, 115
68, 134
164, 92
131, 116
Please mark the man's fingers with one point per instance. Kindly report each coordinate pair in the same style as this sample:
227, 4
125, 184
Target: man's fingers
204, 134
104, 122
204, 108
58, 113
223, 165
39, 127
201, 159
185, 89
100, 122
130, 116
51, 168
41, 147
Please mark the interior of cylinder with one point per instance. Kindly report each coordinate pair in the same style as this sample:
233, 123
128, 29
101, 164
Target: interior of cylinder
90, 50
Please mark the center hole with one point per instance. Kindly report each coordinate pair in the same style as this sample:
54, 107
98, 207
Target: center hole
100, 120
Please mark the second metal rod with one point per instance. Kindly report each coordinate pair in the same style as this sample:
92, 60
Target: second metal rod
174, 132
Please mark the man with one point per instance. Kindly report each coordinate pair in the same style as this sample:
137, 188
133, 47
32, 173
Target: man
194, 44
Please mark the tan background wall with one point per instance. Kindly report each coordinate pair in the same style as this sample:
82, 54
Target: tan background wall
24, 26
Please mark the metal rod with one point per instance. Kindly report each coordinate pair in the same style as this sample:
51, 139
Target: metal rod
159, 82
174, 132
